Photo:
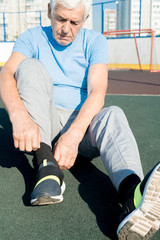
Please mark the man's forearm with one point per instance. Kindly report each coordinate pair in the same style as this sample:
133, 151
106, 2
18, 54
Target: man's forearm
90, 108
9, 94
26, 134
97, 87
8, 87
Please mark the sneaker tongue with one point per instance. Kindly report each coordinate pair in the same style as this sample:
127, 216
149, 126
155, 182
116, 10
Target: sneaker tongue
137, 196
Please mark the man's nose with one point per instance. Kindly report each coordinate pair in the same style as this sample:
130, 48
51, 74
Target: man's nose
66, 27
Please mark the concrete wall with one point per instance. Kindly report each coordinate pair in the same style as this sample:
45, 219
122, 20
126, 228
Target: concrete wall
5, 52
123, 53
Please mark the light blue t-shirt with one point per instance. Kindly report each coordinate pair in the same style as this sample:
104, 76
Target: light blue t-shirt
67, 65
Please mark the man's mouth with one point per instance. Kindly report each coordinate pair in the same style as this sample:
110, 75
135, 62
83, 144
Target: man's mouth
64, 36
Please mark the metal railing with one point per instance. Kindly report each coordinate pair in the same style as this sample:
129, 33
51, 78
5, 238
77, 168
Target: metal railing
12, 24
101, 12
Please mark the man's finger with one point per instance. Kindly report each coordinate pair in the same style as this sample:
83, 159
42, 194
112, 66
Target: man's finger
57, 154
39, 140
21, 145
15, 142
28, 145
35, 142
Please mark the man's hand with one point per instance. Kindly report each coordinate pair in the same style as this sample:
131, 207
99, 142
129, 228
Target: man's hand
26, 133
66, 148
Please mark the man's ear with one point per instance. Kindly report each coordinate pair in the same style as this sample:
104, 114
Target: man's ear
85, 19
49, 11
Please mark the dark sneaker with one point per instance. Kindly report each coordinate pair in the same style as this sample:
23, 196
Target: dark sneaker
49, 189
143, 221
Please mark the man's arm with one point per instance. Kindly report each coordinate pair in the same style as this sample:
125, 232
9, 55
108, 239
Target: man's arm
25, 132
66, 148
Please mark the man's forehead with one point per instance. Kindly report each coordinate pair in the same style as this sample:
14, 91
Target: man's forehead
75, 14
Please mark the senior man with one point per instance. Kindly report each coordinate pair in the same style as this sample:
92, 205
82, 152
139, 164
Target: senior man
53, 87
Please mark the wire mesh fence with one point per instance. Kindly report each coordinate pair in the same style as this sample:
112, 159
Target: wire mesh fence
12, 24
106, 16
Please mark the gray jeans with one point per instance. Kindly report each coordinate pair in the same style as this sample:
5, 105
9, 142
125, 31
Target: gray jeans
108, 135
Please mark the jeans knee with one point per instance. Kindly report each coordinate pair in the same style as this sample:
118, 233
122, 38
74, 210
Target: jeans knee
114, 108
31, 72
29, 62
113, 111
114, 117
27, 67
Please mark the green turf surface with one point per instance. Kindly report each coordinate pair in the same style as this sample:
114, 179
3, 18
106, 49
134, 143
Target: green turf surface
90, 208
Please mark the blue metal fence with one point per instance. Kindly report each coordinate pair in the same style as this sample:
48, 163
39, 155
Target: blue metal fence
98, 7
98, 20
21, 23
4, 26
99, 13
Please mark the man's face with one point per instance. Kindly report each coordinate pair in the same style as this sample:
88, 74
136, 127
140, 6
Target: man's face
66, 23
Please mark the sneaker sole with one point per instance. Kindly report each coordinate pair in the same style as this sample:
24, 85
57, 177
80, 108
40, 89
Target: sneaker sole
144, 221
46, 200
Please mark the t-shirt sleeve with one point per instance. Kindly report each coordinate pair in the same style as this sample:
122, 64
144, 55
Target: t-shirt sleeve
25, 45
98, 50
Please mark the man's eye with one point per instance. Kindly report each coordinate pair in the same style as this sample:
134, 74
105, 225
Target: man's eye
74, 23
59, 19
62, 20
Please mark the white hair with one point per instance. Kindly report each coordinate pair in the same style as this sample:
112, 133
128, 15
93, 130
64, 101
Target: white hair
71, 4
